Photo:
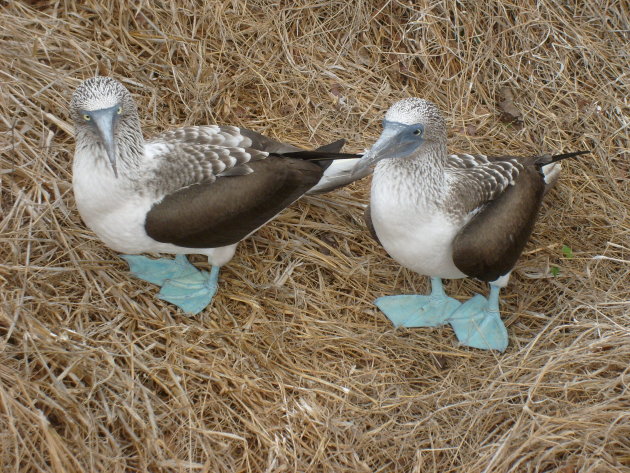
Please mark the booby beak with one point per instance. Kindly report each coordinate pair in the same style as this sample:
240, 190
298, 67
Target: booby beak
104, 121
396, 141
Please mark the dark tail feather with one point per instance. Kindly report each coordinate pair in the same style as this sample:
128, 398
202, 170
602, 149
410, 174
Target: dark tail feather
549, 171
334, 147
328, 152
547, 159
317, 155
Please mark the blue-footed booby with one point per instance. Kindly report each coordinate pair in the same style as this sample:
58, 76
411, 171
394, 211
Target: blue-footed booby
195, 189
450, 216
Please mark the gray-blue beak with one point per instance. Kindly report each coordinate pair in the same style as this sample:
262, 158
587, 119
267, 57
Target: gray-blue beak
396, 141
104, 122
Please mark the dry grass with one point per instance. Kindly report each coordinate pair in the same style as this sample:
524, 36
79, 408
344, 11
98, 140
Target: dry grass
292, 369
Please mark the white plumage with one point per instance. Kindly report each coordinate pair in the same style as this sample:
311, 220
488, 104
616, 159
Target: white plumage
411, 230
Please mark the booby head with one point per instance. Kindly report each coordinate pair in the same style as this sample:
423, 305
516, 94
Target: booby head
409, 124
98, 108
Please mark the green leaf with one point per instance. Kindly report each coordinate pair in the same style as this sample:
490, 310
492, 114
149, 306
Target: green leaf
555, 271
567, 251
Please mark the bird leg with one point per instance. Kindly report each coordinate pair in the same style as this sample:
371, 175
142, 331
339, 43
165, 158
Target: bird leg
414, 310
477, 322
182, 284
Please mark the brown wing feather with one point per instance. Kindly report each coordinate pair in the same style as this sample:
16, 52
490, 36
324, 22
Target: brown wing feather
367, 217
222, 213
488, 246
264, 143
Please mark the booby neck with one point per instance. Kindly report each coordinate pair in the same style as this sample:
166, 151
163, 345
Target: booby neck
421, 176
129, 147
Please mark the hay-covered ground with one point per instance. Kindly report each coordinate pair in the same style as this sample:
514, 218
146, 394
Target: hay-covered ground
292, 369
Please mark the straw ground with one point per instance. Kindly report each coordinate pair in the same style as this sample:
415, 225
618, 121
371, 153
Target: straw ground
292, 368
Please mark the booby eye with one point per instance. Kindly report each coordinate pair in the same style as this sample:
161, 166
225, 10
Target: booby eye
86, 117
417, 131
119, 111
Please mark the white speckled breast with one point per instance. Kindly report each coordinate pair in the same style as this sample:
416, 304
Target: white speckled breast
412, 232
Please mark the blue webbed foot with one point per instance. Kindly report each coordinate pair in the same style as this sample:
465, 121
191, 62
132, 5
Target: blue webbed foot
417, 310
182, 284
191, 292
477, 323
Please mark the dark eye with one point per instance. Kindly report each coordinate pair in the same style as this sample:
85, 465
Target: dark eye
417, 132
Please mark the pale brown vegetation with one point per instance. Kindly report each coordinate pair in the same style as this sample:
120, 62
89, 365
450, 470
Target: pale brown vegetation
292, 368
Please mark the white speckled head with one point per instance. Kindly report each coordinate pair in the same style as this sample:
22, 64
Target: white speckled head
410, 126
102, 94
414, 110
99, 93
411, 110
106, 121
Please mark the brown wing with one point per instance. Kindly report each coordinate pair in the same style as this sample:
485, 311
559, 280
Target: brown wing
367, 217
210, 215
488, 246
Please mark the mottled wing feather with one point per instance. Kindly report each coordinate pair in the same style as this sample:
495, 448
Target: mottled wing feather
479, 179
181, 164
198, 154
465, 161
508, 197
211, 215
206, 135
